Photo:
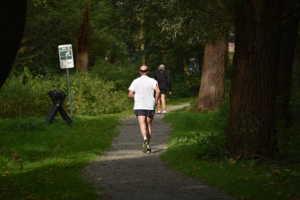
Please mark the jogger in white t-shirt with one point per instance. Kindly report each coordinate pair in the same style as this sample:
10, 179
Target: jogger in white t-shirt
142, 90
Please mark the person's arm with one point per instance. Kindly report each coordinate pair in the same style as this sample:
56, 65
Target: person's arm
157, 94
131, 94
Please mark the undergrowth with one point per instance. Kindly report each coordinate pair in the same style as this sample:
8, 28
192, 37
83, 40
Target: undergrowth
25, 95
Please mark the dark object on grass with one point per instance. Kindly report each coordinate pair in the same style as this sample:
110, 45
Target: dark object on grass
57, 97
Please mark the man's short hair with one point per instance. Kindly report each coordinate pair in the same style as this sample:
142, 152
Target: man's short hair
161, 66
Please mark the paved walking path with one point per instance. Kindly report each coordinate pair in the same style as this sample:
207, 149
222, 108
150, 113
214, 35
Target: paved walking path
126, 173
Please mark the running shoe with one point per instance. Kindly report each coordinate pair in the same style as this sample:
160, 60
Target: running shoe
148, 151
144, 149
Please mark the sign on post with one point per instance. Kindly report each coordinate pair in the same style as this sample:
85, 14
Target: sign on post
66, 56
66, 61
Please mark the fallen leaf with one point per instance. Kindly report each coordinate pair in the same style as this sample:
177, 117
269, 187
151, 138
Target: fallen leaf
99, 178
232, 161
107, 195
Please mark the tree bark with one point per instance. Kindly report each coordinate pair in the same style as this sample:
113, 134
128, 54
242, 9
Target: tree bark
82, 44
12, 22
287, 50
212, 87
296, 62
251, 128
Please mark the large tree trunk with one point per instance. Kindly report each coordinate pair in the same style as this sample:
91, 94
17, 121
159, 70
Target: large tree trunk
285, 65
296, 62
251, 128
12, 21
212, 87
82, 44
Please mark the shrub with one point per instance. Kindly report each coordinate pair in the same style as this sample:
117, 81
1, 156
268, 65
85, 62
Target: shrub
26, 95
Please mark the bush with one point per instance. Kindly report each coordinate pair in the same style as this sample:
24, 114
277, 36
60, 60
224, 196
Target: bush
26, 95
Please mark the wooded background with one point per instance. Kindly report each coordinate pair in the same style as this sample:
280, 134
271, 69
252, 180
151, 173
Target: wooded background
113, 38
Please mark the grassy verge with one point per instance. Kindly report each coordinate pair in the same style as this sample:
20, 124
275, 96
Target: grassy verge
45, 162
195, 148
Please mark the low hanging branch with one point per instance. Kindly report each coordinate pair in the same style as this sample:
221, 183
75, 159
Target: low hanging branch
82, 44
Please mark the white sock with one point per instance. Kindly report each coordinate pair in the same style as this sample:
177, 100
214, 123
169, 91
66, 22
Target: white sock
164, 111
148, 146
158, 111
145, 138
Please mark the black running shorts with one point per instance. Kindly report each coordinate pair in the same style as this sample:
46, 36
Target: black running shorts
144, 112
163, 91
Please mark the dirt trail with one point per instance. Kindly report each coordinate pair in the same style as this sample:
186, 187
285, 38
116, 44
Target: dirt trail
125, 172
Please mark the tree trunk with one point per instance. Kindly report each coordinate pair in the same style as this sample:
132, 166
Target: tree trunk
12, 21
296, 62
251, 128
212, 87
285, 65
82, 44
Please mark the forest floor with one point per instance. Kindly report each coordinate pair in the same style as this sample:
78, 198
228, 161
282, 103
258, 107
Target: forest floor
125, 172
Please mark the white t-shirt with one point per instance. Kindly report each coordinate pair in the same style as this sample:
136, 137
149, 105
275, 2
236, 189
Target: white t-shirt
143, 87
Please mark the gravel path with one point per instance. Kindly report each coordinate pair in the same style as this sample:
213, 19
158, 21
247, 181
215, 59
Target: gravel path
125, 172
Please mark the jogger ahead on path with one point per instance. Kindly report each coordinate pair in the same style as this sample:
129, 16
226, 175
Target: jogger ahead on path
164, 83
142, 90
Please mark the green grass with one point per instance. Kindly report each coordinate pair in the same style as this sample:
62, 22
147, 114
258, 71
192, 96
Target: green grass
195, 148
171, 102
44, 162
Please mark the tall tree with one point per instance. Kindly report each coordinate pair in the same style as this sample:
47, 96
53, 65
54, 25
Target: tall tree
82, 43
210, 22
290, 23
296, 62
12, 21
212, 93
251, 128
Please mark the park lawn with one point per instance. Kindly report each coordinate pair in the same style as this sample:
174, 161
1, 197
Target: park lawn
193, 149
45, 162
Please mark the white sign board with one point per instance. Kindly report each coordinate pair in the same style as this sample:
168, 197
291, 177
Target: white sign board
65, 56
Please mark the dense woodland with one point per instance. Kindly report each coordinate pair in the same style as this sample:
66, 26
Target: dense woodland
111, 39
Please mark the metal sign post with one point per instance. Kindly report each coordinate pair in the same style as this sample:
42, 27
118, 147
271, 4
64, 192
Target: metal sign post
66, 62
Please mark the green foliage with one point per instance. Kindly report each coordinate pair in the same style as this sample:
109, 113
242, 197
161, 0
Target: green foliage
26, 95
192, 136
121, 75
52, 23
222, 116
206, 146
